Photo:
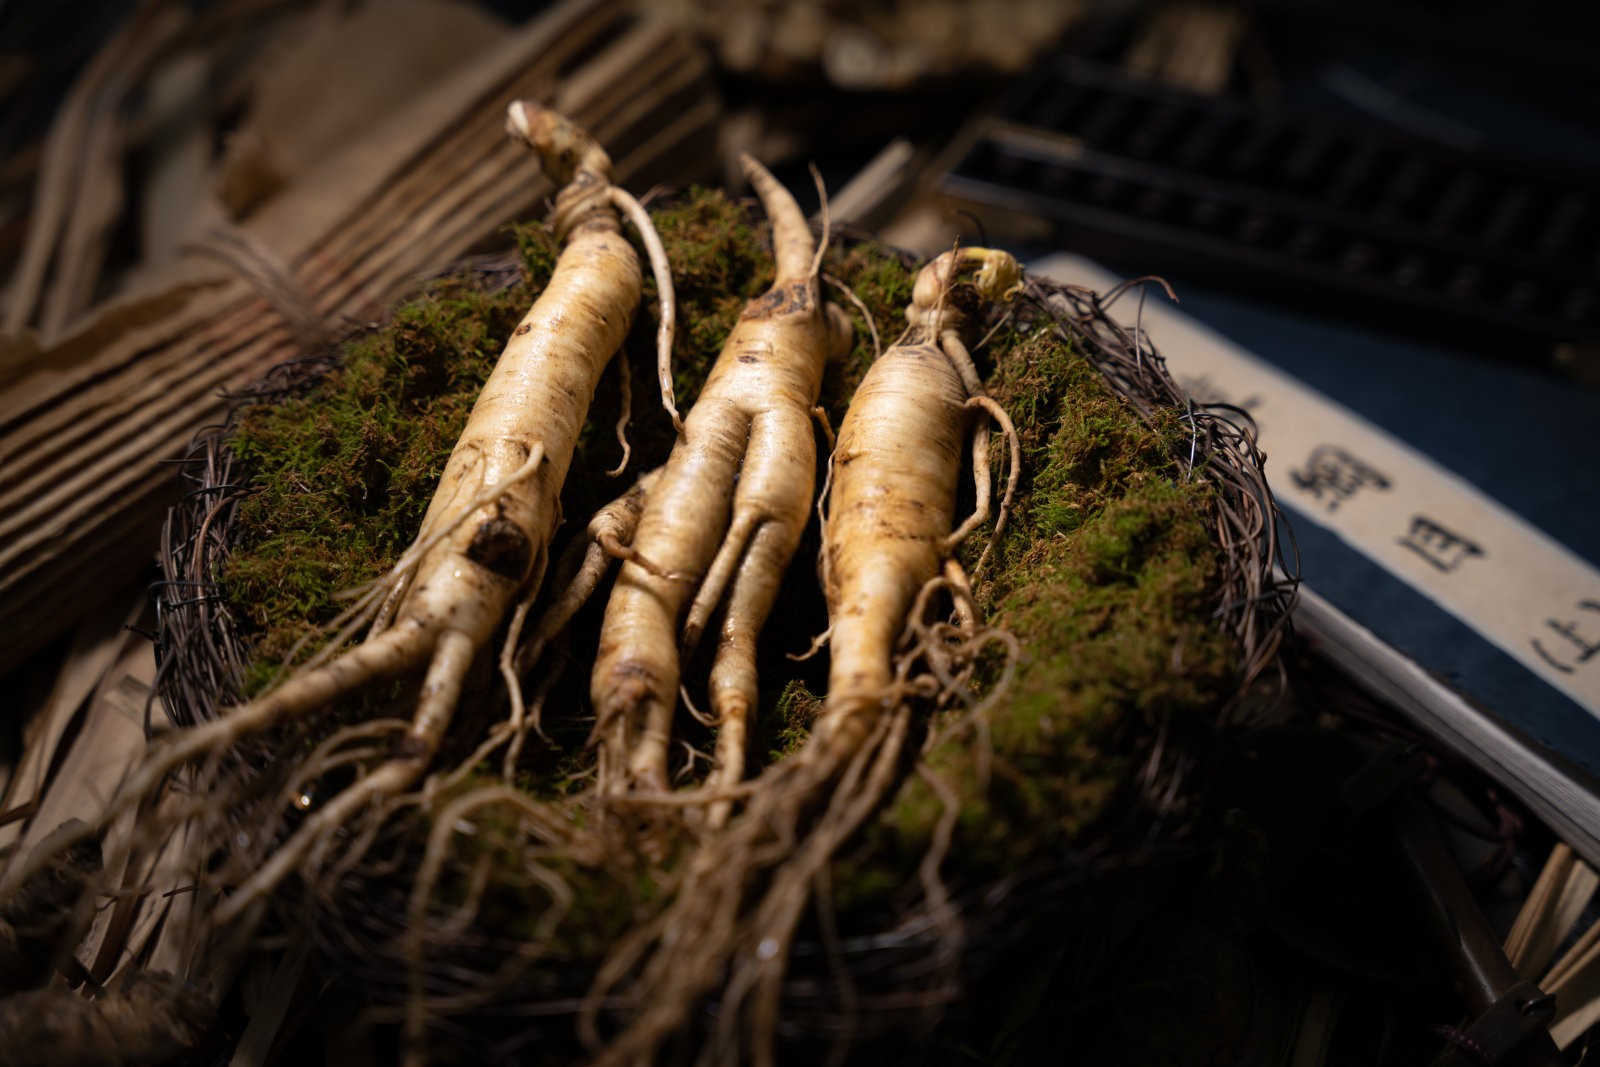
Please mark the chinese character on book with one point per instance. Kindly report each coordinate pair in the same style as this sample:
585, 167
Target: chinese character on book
1577, 645
1333, 476
1204, 391
1442, 548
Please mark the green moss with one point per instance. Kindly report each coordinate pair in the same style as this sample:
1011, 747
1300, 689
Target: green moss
789, 725
718, 263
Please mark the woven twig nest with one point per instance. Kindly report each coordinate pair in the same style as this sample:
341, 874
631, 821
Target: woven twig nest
1137, 575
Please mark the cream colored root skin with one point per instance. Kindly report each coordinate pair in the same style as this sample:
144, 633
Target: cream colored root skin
723, 521
896, 469
912, 397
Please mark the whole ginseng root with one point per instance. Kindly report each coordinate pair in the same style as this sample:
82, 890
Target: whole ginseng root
888, 530
724, 516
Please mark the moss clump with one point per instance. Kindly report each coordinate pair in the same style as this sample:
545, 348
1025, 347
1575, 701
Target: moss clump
789, 725
1107, 574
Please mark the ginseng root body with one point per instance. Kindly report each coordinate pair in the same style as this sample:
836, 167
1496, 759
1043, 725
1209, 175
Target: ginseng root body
894, 478
725, 515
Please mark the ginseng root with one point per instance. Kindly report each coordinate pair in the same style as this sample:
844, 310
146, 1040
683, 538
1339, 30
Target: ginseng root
894, 472
725, 516
485, 538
